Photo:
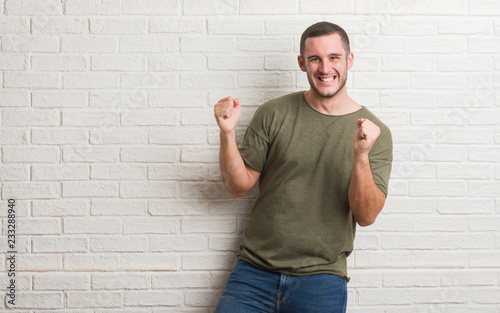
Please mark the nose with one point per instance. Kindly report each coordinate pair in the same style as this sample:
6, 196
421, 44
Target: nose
324, 67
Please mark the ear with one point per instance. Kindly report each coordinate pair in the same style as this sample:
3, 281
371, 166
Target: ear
350, 60
302, 64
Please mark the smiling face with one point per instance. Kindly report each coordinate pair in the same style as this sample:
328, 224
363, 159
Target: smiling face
326, 63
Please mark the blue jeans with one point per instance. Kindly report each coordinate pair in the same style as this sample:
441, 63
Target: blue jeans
250, 289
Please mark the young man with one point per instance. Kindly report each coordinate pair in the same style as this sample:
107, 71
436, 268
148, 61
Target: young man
323, 163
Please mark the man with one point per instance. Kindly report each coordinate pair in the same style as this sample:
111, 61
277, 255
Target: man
323, 164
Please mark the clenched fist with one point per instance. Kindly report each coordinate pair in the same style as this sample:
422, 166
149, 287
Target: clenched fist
364, 137
227, 113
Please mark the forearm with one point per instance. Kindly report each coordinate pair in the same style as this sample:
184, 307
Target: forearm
366, 200
233, 169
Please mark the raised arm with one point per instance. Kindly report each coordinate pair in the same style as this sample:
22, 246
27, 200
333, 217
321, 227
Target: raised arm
365, 198
238, 179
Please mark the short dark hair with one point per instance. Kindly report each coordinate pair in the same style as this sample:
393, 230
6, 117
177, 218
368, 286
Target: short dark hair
323, 29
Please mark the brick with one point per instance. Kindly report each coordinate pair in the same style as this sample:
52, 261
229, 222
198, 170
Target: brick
266, 8
89, 189
441, 295
40, 262
437, 81
93, 299
453, 117
265, 80
464, 171
466, 100
14, 99
216, 7
100, 7
149, 262
362, 242
90, 118
174, 243
39, 300
151, 298
127, 99
212, 80
149, 189
32, 80
470, 241
464, 27
381, 80
110, 281
118, 136
149, 80
149, 154
467, 277
439, 259
37, 226
235, 63
259, 44
119, 244
180, 280
95, 44
407, 27
325, 7
414, 278
61, 281
483, 188
203, 190
59, 244
90, 154
483, 45
177, 99
118, 207
379, 44
59, 63
31, 190
382, 7
14, 172
207, 44
271, 62
59, 25
441, 224
457, 64
14, 25
177, 172
13, 136
484, 7
13, 62
413, 63
386, 259
91, 80
91, 225
177, 207
124, 26
442, 7
150, 43
33, 7
150, 117
148, 225
486, 295
175, 135
91, 262
235, 26
180, 24
208, 225
59, 136
59, 99
214, 261
438, 44
411, 241
59, 172
286, 26
465, 206
179, 63
31, 118
126, 63
60, 207
166, 7
118, 171
426, 188
484, 224
484, 259
413, 170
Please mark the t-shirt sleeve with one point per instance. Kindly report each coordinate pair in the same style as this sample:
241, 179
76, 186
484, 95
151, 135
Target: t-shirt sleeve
255, 145
381, 160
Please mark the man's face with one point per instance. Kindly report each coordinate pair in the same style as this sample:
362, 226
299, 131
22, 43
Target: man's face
326, 64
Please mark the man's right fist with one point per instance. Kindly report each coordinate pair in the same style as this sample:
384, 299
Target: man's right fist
227, 113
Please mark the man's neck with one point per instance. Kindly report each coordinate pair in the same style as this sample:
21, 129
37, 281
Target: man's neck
340, 104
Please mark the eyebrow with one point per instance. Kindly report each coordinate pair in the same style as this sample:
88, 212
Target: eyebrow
331, 54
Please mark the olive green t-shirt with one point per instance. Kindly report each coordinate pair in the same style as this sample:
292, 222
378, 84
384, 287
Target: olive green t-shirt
301, 223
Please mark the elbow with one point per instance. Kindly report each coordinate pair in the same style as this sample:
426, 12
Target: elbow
366, 222
235, 192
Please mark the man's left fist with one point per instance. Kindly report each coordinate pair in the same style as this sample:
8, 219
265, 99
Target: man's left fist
365, 135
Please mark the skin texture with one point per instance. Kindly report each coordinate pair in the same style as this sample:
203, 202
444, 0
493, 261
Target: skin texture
326, 64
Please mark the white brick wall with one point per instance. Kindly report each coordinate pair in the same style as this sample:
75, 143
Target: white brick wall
109, 146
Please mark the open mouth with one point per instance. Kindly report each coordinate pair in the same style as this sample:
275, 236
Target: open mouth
327, 79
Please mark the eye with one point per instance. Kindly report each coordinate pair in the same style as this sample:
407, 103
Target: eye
333, 58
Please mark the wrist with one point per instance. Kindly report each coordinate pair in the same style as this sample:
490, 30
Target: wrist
361, 158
